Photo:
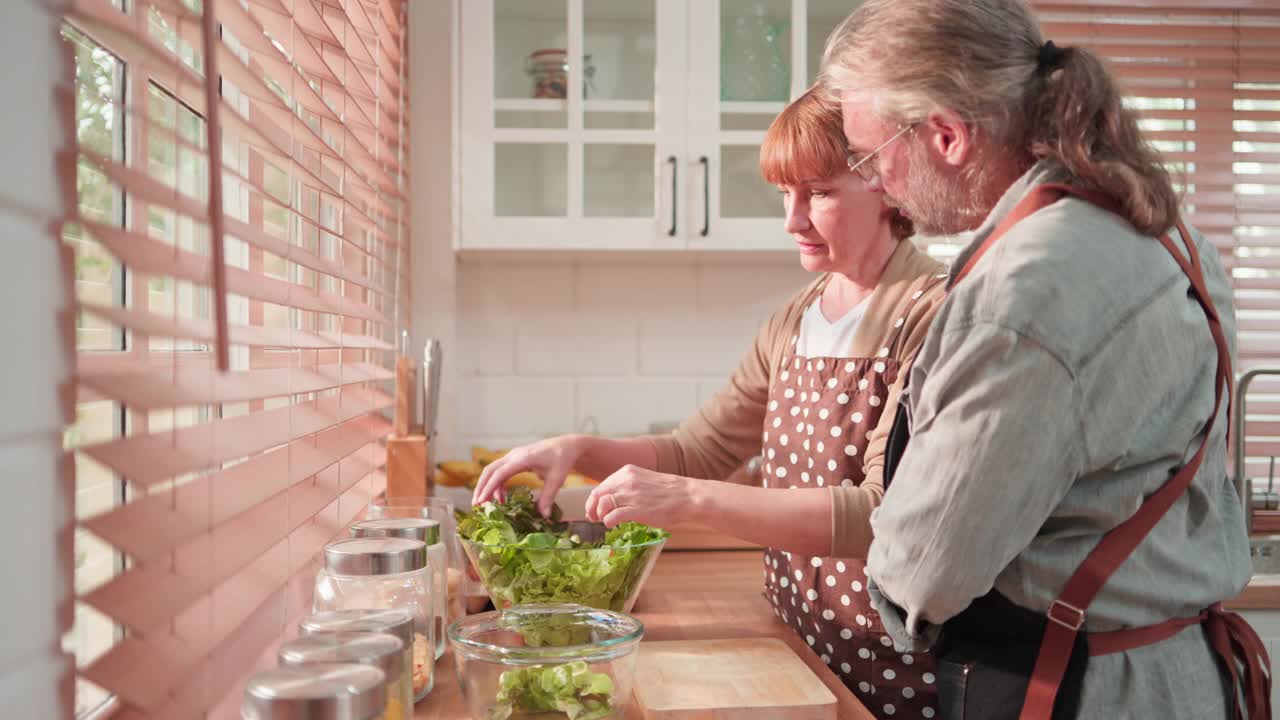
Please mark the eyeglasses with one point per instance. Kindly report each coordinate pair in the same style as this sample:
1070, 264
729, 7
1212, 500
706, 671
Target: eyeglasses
859, 164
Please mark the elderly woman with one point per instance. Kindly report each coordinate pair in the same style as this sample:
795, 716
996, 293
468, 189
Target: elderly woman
1067, 407
809, 395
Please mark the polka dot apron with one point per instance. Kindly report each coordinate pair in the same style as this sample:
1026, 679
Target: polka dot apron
820, 413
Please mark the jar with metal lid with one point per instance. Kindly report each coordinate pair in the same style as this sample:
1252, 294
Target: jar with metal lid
460, 588
382, 574
330, 691
397, 622
380, 650
428, 531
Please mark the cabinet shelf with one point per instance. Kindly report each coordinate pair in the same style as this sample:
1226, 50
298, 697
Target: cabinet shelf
751, 107
553, 105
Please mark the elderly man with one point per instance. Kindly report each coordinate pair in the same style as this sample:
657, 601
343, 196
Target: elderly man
1061, 512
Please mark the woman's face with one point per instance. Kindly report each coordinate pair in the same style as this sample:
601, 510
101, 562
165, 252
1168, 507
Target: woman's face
836, 222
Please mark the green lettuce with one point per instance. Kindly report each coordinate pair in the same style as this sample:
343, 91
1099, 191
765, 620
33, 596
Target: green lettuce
569, 688
520, 555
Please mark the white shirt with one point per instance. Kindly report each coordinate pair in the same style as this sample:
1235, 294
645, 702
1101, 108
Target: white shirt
820, 337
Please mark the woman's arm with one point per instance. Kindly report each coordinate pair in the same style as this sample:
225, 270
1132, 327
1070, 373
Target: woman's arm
772, 517
851, 508
601, 457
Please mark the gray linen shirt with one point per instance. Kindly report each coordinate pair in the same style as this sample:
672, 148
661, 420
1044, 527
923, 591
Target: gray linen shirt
1062, 382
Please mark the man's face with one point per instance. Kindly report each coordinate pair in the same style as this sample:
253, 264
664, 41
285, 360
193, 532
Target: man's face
939, 198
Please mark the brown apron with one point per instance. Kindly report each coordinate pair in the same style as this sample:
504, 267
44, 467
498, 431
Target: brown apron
820, 413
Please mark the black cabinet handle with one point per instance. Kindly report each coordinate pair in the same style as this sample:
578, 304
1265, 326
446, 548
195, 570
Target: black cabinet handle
674, 194
706, 195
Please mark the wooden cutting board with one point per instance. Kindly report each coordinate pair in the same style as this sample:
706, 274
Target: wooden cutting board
737, 679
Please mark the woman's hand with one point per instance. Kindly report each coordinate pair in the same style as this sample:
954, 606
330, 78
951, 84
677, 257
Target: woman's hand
552, 460
636, 494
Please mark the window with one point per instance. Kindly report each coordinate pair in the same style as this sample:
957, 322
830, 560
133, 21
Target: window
204, 496
99, 279
1209, 93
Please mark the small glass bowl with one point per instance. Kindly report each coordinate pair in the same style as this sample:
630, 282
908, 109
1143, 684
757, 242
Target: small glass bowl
530, 660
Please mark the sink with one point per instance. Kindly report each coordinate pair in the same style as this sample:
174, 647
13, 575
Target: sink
1265, 554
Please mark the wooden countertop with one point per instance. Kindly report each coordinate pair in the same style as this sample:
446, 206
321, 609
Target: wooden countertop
692, 595
1262, 593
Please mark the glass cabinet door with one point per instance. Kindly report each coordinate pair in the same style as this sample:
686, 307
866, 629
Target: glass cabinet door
572, 123
748, 59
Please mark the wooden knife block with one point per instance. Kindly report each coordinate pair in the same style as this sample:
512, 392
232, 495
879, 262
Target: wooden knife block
407, 466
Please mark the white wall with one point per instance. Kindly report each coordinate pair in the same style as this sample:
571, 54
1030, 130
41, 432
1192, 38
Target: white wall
432, 96
35, 517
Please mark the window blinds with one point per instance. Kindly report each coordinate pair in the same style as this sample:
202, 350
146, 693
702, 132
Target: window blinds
255, 221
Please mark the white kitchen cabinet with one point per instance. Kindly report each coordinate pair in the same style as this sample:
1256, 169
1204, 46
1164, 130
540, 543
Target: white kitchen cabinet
654, 144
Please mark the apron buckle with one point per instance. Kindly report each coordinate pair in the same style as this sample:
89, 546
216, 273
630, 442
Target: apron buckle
1071, 622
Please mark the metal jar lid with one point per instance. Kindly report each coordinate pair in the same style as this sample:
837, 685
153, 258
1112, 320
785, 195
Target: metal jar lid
375, 556
428, 531
381, 650
395, 621
316, 692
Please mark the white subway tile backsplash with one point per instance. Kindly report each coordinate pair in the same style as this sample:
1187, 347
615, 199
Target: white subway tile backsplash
620, 291
514, 291
708, 388
577, 345
514, 406
486, 345
749, 290
702, 344
497, 442
627, 406
598, 345
493, 301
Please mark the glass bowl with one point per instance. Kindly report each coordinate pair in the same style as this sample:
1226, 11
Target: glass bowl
607, 578
546, 662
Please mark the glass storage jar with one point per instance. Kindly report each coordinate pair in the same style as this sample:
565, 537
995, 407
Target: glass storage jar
328, 690
459, 586
380, 574
380, 650
427, 531
397, 622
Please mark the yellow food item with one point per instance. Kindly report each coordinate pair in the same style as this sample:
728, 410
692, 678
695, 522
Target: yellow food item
447, 480
484, 455
421, 668
577, 479
464, 472
525, 479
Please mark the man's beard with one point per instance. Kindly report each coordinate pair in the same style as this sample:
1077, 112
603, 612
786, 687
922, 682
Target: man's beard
943, 201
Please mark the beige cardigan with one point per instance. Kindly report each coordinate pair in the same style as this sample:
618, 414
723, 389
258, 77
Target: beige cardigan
726, 432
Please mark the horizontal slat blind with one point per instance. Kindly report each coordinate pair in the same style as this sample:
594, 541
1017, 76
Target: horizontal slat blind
233, 481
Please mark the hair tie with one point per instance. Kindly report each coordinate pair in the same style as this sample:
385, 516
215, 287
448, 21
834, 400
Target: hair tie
1049, 58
